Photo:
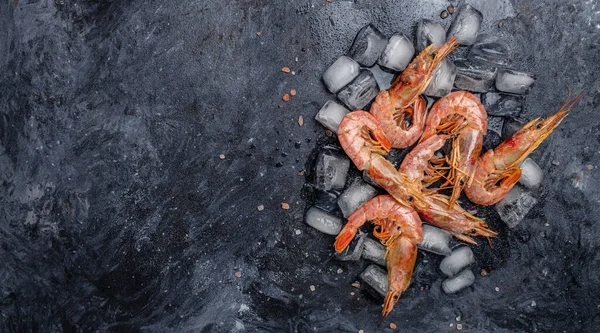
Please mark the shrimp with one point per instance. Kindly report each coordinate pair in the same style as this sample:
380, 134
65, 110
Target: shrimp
391, 218
402, 103
399, 228
497, 170
360, 136
456, 220
364, 142
417, 162
462, 115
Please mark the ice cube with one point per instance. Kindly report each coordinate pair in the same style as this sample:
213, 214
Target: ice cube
457, 260
459, 282
510, 127
355, 196
491, 140
502, 105
384, 79
435, 240
398, 53
360, 91
465, 25
513, 81
515, 205
354, 250
429, 32
490, 50
495, 124
331, 170
340, 73
472, 77
376, 278
323, 221
374, 251
368, 45
531, 174
442, 80
331, 115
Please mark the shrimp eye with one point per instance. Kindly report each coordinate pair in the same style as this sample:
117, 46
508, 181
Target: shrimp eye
410, 198
539, 125
473, 231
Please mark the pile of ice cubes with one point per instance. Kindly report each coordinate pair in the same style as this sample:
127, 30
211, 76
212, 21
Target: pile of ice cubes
371, 65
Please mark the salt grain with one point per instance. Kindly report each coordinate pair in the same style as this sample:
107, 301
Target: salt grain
298, 232
285, 69
312, 288
222, 156
260, 208
285, 205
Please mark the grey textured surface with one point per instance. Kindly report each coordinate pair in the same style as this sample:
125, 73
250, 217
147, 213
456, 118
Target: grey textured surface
117, 213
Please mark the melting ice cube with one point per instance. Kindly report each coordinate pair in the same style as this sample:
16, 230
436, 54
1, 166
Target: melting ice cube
376, 278
340, 73
435, 240
455, 262
398, 53
515, 205
459, 282
323, 221
384, 79
360, 91
331, 170
442, 80
510, 127
368, 45
531, 174
495, 124
502, 105
374, 251
429, 32
491, 50
472, 77
355, 196
513, 81
326, 200
465, 25
331, 115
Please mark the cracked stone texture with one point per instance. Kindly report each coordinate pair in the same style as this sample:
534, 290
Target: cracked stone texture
118, 213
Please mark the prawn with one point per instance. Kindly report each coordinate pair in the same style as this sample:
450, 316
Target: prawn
497, 170
438, 210
400, 230
461, 115
401, 110
364, 142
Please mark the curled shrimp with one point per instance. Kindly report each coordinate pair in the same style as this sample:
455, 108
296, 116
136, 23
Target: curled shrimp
402, 104
497, 170
417, 165
461, 115
364, 142
399, 228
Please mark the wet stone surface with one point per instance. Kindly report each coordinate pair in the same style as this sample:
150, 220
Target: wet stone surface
139, 142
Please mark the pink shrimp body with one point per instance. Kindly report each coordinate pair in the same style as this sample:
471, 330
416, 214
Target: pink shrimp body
417, 162
394, 107
497, 170
360, 136
401, 258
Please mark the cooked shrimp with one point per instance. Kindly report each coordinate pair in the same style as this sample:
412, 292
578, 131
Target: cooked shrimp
497, 170
456, 220
401, 257
462, 115
390, 217
360, 136
402, 104
417, 163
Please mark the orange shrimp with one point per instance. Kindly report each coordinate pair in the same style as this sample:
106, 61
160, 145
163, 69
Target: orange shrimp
364, 142
460, 114
392, 220
402, 102
497, 170
416, 165
456, 220
399, 228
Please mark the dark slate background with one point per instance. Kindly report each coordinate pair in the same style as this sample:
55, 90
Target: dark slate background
117, 213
